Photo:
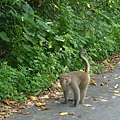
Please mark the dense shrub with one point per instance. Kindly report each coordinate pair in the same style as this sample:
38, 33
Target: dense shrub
41, 39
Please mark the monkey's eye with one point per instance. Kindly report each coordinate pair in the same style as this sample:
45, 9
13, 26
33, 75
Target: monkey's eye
64, 79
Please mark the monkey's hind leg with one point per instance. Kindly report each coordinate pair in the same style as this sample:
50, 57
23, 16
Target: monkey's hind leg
76, 96
82, 94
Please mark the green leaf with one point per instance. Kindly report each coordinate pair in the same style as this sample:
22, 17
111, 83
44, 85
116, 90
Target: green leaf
27, 9
29, 32
40, 37
59, 38
89, 13
41, 23
4, 36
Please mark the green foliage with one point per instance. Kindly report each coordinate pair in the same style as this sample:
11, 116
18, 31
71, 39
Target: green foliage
40, 40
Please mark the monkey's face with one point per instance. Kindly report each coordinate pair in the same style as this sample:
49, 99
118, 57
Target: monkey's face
64, 80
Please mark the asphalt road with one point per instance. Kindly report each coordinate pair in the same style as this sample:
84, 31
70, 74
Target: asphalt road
104, 101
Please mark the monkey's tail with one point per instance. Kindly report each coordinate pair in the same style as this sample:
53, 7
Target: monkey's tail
87, 66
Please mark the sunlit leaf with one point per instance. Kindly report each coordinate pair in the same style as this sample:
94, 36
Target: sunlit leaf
113, 91
116, 86
101, 97
87, 105
112, 66
40, 104
93, 83
25, 113
116, 78
117, 95
103, 83
44, 108
7, 116
88, 5
108, 60
41, 43
14, 111
45, 97
33, 98
63, 113
1, 116
8, 102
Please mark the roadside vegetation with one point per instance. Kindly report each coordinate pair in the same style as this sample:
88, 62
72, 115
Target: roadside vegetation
41, 39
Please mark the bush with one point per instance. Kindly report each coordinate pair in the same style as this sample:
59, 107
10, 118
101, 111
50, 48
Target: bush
40, 40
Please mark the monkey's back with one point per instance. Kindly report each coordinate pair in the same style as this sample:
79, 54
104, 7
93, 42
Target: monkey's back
80, 76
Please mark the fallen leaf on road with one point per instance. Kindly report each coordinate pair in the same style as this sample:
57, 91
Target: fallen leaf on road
116, 86
95, 98
22, 107
8, 102
63, 113
57, 98
51, 95
1, 116
54, 96
71, 113
117, 95
93, 83
103, 83
108, 60
40, 104
113, 91
14, 111
25, 113
44, 108
116, 78
58, 85
7, 116
112, 66
45, 97
2, 113
87, 105
110, 70
101, 97
104, 77
33, 98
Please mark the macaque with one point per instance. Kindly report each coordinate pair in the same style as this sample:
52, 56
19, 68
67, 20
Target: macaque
78, 81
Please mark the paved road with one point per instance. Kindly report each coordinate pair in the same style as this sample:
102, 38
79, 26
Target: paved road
107, 107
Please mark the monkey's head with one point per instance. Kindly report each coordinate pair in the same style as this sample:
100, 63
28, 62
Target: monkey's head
65, 79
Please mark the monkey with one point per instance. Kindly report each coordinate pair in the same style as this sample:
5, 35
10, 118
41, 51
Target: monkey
78, 81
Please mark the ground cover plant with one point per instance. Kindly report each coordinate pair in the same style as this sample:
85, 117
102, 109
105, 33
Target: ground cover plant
39, 40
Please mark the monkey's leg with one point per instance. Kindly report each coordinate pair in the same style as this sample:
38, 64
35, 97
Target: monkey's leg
76, 91
82, 94
66, 94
